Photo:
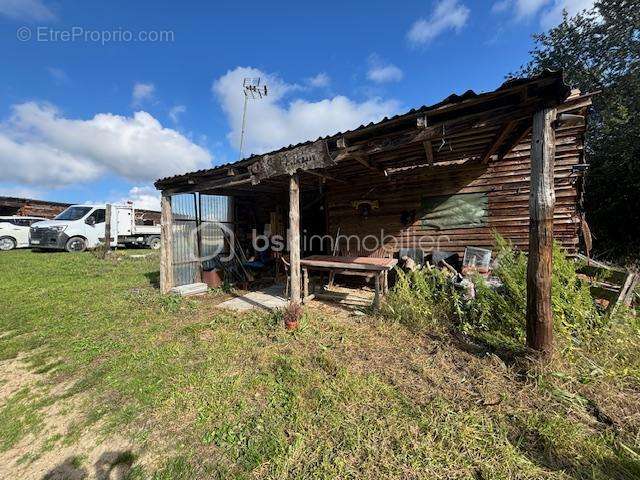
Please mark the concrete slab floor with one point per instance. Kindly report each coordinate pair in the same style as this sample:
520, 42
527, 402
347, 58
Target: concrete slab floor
270, 298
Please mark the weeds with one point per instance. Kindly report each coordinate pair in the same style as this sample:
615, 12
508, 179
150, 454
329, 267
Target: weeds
428, 298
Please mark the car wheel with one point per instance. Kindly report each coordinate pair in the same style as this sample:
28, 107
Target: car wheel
154, 243
7, 243
76, 244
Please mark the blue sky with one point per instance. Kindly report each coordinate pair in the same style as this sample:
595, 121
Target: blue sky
99, 99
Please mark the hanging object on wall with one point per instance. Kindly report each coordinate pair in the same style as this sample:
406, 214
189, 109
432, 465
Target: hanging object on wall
444, 141
364, 207
407, 217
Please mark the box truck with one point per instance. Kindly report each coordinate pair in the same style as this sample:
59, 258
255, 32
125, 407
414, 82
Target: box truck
82, 227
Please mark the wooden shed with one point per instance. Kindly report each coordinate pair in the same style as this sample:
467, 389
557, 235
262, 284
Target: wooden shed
439, 177
29, 207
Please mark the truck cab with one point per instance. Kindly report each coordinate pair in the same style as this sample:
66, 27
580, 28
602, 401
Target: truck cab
76, 229
82, 227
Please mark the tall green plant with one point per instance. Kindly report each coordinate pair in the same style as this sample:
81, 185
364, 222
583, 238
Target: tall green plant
428, 298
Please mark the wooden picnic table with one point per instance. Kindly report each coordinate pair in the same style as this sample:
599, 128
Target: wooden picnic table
377, 268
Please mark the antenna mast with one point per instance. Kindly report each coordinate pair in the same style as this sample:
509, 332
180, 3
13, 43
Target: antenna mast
252, 90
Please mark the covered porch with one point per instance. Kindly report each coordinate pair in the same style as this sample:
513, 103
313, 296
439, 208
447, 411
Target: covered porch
496, 149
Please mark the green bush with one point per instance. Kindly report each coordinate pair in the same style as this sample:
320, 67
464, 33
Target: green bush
422, 299
428, 298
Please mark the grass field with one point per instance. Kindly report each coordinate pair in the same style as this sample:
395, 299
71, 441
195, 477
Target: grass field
101, 377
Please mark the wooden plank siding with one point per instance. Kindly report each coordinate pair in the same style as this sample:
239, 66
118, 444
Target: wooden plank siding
506, 181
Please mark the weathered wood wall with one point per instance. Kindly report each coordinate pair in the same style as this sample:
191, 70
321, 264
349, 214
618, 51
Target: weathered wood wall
505, 181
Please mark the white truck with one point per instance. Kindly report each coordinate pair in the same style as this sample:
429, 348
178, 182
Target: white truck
14, 231
82, 227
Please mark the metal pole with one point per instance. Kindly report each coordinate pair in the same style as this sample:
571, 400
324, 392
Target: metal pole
244, 119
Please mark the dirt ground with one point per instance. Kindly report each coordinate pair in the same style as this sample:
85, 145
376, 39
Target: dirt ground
49, 453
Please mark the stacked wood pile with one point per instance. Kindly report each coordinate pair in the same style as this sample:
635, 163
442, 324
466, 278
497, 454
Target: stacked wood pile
28, 207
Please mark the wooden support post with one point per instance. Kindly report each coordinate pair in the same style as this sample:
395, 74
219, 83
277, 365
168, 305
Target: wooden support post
541, 205
376, 298
428, 150
107, 227
294, 237
166, 244
305, 284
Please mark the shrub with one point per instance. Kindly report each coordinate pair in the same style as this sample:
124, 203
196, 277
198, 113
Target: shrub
423, 298
428, 298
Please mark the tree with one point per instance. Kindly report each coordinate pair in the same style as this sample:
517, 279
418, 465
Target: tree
599, 50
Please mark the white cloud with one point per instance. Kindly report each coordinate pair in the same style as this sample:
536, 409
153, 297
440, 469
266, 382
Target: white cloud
381, 72
176, 111
144, 197
550, 11
142, 92
320, 80
19, 191
274, 121
38, 146
501, 6
447, 15
553, 15
58, 75
29, 10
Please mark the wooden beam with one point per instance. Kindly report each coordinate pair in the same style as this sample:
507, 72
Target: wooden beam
241, 179
294, 238
541, 206
520, 135
166, 244
325, 176
107, 227
428, 150
502, 136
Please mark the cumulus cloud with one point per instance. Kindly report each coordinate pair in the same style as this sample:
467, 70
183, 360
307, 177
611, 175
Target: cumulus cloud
552, 15
549, 11
7, 190
275, 121
176, 111
142, 92
447, 15
144, 197
320, 80
38, 146
381, 71
29, 10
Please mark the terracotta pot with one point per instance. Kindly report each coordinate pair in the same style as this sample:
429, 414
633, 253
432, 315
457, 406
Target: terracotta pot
212, 278
291, 325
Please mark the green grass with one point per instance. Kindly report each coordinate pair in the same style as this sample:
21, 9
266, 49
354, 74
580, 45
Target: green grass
216, 395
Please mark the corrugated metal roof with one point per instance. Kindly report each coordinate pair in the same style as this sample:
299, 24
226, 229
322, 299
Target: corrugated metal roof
451, 100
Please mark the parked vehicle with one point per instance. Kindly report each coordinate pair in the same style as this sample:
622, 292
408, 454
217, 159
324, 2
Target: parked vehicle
82, 227
14, 231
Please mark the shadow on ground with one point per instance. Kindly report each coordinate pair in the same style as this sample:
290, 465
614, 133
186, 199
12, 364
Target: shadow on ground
110, 466
153, 278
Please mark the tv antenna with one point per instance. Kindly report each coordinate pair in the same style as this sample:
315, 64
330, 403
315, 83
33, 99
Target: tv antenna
252, 90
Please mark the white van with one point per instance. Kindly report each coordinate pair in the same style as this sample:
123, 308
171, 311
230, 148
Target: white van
14, 231
82, 227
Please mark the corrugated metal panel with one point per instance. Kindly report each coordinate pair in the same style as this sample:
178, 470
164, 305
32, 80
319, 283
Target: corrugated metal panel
216, 213
215, 208
186, 264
